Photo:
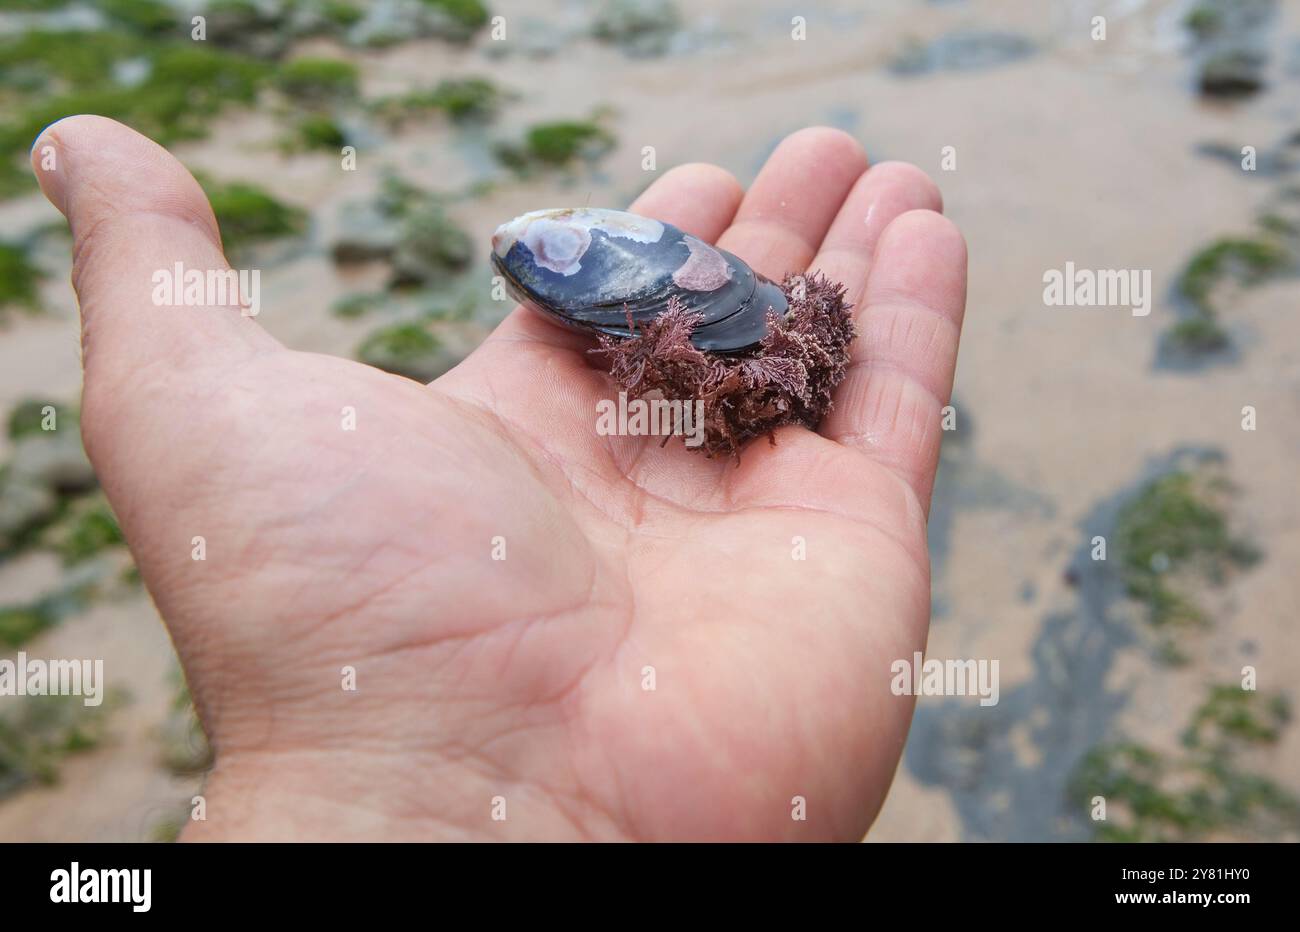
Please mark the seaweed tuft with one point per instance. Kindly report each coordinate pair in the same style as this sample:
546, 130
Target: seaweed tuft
787, 380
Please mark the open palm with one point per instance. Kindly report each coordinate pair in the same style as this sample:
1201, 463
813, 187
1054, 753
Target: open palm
551, 633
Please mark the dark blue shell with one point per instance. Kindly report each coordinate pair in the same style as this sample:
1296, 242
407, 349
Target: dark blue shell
591, 268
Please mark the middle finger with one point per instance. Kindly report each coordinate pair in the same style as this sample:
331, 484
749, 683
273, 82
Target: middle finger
793, 201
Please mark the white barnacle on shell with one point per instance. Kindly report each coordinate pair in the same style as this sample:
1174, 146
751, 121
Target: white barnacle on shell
704, 269
558, 237
556, 245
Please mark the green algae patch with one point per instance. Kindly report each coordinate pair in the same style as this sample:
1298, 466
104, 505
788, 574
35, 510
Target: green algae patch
556, 145
1204, 792
1238, 714
248, 214
358, 305
1249, 260
463, 100
178, 88
465, 17
19, 279
409, 349
20, 623
317, 132
86, 531
39, 415
1173, 531
1205, 285
37, 732
318, 80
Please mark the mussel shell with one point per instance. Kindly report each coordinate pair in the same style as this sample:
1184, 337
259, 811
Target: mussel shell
592, 268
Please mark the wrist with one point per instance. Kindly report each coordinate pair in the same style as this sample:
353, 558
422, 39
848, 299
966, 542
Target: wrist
308, 796
347, 796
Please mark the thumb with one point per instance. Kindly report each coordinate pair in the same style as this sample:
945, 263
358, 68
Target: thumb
135, 212
151, 369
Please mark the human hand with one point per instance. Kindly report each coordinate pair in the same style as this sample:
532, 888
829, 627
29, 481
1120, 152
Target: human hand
522, 678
